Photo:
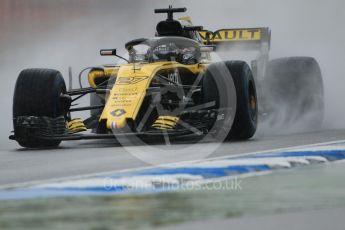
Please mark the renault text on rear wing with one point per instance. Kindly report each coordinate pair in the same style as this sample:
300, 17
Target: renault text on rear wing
249, 36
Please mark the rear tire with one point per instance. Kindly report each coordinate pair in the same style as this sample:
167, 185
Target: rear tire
294, 94
245, 122
37, 93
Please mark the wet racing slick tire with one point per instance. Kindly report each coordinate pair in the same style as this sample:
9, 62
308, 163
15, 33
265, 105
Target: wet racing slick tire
294, 93
246, 116
37, 94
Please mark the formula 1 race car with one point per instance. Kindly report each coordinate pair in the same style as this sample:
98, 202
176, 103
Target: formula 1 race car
169, 87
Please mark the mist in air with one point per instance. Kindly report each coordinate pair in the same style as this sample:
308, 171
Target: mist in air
59, 34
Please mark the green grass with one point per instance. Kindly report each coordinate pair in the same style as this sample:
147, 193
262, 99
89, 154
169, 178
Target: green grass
307, 188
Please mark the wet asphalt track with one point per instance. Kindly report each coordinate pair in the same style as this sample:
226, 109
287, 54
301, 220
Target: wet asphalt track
81, 158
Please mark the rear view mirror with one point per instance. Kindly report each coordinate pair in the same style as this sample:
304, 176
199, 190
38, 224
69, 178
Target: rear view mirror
208, 48
108, 52
111, 52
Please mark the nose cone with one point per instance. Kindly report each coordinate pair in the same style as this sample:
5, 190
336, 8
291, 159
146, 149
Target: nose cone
126, 96
118, 124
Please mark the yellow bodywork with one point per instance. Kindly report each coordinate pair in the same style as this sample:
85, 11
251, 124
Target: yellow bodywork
132, 80
128, 93
165, 122
105, 72
76, 125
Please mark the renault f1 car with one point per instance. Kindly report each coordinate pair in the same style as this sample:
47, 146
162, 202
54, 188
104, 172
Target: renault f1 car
168, 86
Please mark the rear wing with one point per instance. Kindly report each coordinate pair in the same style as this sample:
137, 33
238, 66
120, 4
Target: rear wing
258, 39
248, 38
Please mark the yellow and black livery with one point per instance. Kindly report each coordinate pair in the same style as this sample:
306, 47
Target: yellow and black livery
167, 85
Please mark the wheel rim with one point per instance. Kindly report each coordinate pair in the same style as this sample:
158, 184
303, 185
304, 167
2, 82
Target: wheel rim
252, 102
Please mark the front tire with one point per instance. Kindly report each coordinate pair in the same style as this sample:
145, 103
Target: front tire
246, 116
37, 94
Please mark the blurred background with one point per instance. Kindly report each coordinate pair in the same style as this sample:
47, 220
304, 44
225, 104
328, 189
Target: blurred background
59, 34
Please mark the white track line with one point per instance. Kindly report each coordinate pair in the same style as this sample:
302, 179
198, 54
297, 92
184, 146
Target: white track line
62, 179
